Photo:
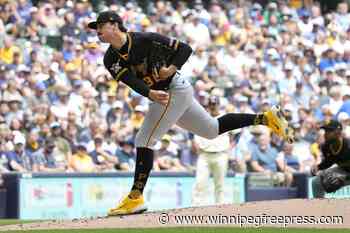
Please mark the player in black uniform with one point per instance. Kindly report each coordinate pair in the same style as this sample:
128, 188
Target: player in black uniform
334, 170
149, 63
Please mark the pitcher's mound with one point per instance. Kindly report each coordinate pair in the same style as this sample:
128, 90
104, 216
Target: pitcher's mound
316, 213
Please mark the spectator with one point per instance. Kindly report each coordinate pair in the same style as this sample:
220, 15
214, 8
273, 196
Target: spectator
126, 156
32, 142
335, 99
93, 53
39, 96
195, 30
166, 159
69, 27
287, 161
115, 114
302, 147
345, 107
211, 71
264, 160
4, 164
344, 119
107, 103
62, 147
315, 148
343, 17
61, 108
138, 117
4, 132
328, 61
71, 134
8, 51
287, 84
18, 160
195, 65
44, 160
49, 18
242, 151
81, 161
271, 10
102, 158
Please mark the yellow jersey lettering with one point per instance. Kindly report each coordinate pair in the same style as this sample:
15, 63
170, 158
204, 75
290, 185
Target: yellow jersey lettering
148, 80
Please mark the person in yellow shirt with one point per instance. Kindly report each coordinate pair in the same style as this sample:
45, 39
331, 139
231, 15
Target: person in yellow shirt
79, 56
223, 35
7, 52
81, 160
315, 148
138, 116
296, 3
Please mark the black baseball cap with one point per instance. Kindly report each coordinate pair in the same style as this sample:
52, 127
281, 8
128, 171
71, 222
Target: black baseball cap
332, 125
104, 17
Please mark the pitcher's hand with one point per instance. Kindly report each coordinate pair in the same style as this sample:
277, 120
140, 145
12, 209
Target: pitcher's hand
160, 97
166, 72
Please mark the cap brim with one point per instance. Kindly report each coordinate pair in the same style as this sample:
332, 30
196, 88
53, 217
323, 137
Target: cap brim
93, 25
328, 128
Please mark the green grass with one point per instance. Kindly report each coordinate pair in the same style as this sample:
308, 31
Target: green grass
192, 230
14, 221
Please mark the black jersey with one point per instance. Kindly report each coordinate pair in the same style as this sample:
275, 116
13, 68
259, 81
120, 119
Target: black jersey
339, 156
133, 61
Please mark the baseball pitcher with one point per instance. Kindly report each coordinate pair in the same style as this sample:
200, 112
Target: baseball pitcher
149, 63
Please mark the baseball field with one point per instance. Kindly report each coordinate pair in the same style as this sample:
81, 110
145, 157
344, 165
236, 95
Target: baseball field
191, 230
293, 215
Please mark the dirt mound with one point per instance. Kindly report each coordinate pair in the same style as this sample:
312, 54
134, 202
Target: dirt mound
325, 213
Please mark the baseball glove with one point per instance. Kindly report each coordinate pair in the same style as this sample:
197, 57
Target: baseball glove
331, 181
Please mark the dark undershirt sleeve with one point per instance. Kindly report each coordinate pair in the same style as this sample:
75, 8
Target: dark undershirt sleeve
182, 51
135, 83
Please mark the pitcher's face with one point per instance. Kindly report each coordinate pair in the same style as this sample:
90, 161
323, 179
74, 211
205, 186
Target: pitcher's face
107, 31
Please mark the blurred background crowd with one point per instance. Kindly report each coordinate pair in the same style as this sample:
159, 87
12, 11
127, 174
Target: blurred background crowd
60, 111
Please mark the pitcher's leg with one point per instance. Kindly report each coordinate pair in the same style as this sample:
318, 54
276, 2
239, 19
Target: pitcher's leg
157, 122
160, 119
198, 121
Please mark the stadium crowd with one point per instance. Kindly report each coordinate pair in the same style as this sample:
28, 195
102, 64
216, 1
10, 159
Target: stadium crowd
61, 111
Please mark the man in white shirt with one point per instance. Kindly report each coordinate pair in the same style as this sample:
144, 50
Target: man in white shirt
212, 159
197, 31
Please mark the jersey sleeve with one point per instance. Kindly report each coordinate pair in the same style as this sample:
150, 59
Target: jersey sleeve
181, 51
135, 83
116, 70
121, 72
